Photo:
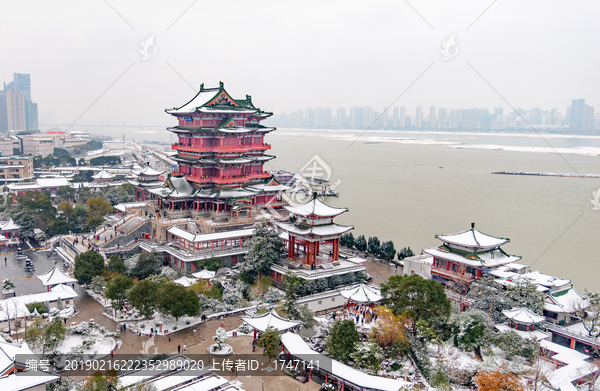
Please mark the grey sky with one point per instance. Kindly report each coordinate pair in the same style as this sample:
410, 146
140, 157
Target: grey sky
291, 56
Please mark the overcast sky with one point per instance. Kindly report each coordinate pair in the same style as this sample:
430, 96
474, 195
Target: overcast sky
295, 55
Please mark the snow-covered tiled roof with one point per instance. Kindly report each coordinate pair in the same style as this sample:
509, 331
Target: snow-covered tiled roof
565, 301
270, 319
523, 316
103, 175
362, 294
187, 235
539, 278
55, 276
317, 230
476, 259
300, 349
8, 225
52, 182
473, 238
315, 207
149, 171
200, 99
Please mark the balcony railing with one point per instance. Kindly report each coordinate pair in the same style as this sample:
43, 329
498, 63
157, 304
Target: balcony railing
466, 277
220, 149
227, 180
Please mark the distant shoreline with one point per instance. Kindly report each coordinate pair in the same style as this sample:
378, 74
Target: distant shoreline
569, 175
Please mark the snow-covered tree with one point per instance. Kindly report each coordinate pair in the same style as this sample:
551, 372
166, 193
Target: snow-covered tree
264, 248
588, 312
272, 296
334, 281
232, 296
8, 285
368, 355
321, 284
98, 284
220, 336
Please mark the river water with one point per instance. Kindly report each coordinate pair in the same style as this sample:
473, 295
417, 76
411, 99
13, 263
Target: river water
409, 186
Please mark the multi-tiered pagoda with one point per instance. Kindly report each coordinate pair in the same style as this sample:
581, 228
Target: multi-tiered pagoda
221, 152
311, 226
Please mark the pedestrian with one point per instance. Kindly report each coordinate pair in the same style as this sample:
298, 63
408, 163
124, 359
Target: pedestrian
4, 261
264, 351
111, 353
178, 349
169, 337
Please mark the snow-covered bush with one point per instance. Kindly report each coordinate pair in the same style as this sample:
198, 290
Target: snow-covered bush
98, 284
232, 296
8, 285
273, 295
210, 306
170, 273
245, 329
220, 336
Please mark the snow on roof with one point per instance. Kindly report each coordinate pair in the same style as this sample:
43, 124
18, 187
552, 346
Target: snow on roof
575, 369
473, 238
362, 294
523, 316
12, 308
516, 266
204, 274
318, 230
270, 319
65, 292
200, 99
123, 207
187, 235
10, 354
501, 273
532, 334
485, 259
52, 182
298, 348
185, 281
55, 276
565, 301
205, 384
8, 225
149, 171
539, 278
103, 174
315, 207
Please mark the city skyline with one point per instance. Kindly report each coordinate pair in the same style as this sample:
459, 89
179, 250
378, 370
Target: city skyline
88, 67
577, 117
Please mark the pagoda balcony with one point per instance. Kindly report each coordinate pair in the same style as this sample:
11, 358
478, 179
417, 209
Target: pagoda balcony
219, 149
454, 276
228, 180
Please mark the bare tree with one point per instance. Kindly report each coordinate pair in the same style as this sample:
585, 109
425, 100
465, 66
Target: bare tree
588, 312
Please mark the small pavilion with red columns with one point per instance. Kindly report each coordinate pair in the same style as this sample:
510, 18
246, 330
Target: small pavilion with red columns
310, 227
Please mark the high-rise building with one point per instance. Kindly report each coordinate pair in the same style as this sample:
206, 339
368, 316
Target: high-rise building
17, 111
419, 117
433, 117
341, 118
402, 119
442, 119
395, 118
499, 111
581, 115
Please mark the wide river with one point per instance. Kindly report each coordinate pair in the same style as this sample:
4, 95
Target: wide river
409, 186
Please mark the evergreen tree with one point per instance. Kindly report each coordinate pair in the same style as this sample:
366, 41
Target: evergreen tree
417, 298
116, 290
88, 265
374, 246
271, 341
142, 297
361, 243
176, 301
147, 264
116, 264
264, 248
342, 340
387, 250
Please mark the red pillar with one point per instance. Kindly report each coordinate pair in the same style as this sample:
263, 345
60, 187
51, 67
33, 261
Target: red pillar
572, 343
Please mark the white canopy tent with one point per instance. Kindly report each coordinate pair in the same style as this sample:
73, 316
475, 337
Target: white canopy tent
204, 274
55, 276
362, 294
270, 319
185, 281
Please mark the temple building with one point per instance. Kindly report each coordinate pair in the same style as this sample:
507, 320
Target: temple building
463, 257
220, 155
145, 179
313, 244
310, 227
